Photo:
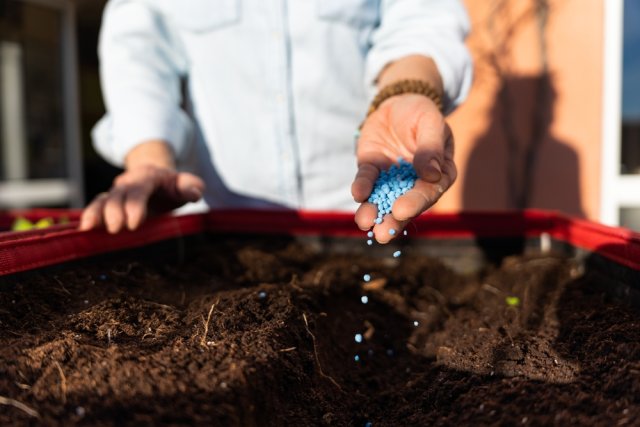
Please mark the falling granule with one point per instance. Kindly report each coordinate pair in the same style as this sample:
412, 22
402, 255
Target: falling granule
364, 299
369, 242
415, 323
370, 234
405, 232
392, 232
358, 338
356, 358
366, 277
262, 294
396, 254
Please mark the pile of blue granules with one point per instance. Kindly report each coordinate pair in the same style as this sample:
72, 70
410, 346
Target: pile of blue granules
390, 185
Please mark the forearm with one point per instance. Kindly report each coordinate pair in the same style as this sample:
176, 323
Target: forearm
414, 67
151, 153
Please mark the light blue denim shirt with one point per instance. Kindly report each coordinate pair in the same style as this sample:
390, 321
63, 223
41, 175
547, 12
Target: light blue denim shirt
275, 88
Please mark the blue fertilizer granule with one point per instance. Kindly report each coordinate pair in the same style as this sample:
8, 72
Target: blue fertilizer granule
392, 231
392, 184
366, 277
358, 338
370, 234
369, 242
364, 299
356, 358
396, 254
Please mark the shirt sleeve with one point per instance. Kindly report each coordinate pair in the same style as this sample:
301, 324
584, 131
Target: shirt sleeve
141, 65
433, 28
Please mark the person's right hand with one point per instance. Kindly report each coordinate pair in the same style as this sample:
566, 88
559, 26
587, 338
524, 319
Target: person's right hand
137, 192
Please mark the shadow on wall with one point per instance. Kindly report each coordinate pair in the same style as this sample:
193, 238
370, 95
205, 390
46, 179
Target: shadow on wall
517, 163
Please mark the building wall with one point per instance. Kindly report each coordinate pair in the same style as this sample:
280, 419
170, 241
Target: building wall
536, 96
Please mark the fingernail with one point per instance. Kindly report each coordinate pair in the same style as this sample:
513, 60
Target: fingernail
434, 172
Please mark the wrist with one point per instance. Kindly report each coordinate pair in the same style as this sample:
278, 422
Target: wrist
413, 67
406, 88
155, 153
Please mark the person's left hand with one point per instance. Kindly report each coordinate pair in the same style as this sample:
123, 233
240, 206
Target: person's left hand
412, 127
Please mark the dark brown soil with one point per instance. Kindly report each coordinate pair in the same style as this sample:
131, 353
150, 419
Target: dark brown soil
261, 332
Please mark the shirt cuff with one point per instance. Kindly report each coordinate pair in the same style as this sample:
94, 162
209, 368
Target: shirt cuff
114, 141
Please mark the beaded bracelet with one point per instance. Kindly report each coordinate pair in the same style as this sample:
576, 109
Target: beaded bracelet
400, 87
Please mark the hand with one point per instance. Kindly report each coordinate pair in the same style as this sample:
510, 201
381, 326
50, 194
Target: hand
136, 192
412, 127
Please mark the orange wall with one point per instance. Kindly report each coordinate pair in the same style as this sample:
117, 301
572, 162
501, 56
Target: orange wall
506, 107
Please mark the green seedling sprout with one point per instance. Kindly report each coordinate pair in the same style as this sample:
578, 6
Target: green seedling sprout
23, 224
512, 301
44, 223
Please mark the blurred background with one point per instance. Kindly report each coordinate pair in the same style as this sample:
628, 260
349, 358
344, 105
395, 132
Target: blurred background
552, 122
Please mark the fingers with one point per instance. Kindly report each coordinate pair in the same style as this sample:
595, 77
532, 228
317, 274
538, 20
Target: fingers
435, 167
370, 162
423, 195
388, 229
122, 206
384, 232
114, 214
434, 148
364, 181
135, 205
366, 215
92, 214
127, 203
189, 187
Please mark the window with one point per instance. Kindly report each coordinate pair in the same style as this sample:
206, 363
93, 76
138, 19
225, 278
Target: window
630, 150
39, 144
630, 111
620, 155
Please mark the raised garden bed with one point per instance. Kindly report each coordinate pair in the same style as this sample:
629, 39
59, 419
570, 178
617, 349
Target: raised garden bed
510, 319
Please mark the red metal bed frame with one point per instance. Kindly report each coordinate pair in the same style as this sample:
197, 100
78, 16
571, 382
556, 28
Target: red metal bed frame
22, 251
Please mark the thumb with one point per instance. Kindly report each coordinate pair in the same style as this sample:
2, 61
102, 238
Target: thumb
431, 139
427, 165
